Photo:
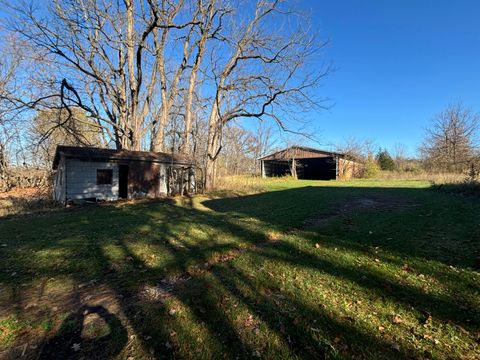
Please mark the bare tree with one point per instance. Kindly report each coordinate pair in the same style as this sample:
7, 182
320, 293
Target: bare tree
263, 74
355, 148
9, 140
238, 150
110, 55
143, 69
45, 135
210, 21
264, 143
451, 140
399, 155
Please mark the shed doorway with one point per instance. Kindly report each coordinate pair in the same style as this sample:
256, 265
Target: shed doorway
123, 181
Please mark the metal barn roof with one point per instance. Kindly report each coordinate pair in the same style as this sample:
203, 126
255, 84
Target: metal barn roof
299, 152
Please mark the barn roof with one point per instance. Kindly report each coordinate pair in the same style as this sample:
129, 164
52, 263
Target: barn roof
97, 154
300, 152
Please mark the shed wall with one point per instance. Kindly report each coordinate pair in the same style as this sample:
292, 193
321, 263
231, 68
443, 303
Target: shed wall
59, 182
163, 190
143, 179
76, 179
348, 169
81, 180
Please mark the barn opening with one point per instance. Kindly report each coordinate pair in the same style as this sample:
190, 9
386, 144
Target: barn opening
317, 169
309, 164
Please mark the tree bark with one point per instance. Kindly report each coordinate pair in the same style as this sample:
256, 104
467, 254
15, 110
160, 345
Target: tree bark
213, 147
186, 139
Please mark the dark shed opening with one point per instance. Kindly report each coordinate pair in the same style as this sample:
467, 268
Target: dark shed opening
318, 169
123, 181
310, 164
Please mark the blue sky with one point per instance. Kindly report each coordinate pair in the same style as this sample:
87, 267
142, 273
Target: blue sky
399, 62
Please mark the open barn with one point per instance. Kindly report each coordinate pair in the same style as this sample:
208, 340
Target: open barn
310, 164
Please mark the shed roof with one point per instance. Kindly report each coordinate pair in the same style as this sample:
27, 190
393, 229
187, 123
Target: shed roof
300, 152
96, 154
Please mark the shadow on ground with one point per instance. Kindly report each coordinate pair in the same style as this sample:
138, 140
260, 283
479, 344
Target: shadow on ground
189, 283
91, 332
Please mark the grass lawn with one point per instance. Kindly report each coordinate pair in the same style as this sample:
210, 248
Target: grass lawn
304, 269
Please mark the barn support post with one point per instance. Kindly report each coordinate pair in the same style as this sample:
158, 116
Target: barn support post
337, 170
294, 169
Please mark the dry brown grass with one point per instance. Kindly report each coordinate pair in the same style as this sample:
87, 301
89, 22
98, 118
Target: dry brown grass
22, 177
20, 201
435, 178
243, 184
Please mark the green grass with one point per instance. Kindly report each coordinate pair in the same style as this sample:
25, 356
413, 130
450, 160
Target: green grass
294, 271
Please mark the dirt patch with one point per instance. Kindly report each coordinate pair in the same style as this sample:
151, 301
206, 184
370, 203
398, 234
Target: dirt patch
163, 290
167, 287
357, 205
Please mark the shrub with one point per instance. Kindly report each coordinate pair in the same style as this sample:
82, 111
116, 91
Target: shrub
385, 161
473, 172
371, 168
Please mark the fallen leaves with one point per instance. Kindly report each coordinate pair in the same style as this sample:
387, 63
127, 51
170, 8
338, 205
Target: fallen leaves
431, 338
397, 319
249, 321
407, 268
428, 320
273, 236
172, 312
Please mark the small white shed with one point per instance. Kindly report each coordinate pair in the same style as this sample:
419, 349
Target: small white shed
85, 173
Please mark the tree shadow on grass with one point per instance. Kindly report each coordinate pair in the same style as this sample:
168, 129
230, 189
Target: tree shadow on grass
209, 272
411, 222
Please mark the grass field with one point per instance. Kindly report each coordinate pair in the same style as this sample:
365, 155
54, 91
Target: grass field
300, 269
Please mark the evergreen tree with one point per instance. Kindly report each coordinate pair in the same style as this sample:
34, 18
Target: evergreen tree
385, 161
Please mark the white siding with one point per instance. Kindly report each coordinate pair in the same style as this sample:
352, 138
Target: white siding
163, 179
59, 182
81, 180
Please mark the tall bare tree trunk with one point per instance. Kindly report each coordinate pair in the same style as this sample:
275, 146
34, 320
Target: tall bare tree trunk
186, 139
159, 132
186, 143
167, 97
213, 147
132, 81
